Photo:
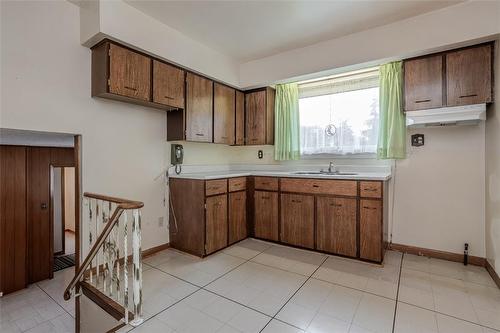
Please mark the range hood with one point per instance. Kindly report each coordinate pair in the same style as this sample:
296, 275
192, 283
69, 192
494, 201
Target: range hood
448, 116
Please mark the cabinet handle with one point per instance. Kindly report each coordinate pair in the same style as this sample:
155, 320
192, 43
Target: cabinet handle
370, 208
464, 96
200, 134
370, 189
296, 201
224, 137
130, 88
265, 197
168, 97
423, 101
336, 205
314, 185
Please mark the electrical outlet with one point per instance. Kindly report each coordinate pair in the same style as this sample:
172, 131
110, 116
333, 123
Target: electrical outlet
160, 221
261, 154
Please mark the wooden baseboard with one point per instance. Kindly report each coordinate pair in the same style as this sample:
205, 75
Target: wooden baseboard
493, 274
419, 251
153, 250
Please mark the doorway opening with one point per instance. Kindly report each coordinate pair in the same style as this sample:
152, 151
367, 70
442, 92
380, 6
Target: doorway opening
63, 216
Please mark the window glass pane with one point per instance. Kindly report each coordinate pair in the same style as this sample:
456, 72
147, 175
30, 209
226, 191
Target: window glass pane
340, 123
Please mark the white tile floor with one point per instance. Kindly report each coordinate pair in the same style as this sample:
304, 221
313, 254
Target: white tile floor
256, 286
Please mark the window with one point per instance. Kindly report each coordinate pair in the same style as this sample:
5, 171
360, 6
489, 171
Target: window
340, 115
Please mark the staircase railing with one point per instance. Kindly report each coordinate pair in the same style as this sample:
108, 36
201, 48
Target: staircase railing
106, 263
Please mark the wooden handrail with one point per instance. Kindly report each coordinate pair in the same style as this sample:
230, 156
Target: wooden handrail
133, 204
123, 204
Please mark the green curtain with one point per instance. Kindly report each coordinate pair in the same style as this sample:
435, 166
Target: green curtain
286, 118
392, 126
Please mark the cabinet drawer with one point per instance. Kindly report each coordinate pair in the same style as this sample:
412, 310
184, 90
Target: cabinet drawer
319, 186
370, 189
266, 183
237, 184
217, 186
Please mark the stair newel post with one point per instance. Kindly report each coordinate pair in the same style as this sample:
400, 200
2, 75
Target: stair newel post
125, 265
137, 270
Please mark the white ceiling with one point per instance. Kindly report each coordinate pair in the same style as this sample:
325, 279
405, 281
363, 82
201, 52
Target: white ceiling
249, 30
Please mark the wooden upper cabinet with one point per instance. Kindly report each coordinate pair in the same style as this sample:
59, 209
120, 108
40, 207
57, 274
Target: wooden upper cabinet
129, 73
199, 108
370, 230
266, 215
216, 223
336, 225
468, 76
168, 85
423, 83
240, 119
259, 106
224, 116
297, 220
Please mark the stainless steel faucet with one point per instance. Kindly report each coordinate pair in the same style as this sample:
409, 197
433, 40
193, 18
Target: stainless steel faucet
331, 167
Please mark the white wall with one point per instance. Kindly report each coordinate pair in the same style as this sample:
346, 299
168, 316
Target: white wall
439, 191
45, 86
493, 175
418, 35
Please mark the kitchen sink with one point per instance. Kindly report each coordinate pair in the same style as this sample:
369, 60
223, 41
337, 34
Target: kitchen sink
326, 173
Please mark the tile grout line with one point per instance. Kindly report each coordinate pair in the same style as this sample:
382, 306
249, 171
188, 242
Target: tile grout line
62, 307
397, 293
296, 291
199, 288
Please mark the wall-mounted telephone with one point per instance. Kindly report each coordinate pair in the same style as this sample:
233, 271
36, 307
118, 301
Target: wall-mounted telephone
176, 157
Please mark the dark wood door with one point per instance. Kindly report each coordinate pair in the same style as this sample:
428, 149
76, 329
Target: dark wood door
423, 80
237, 216
297, 220
216, 223
13, 236
40, 230
255, 106
468, 76
266, 215
199, 108
336, 225
224, 114
168, 85
129, 73
240, 118
370, 230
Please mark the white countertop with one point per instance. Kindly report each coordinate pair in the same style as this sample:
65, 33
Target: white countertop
270, 173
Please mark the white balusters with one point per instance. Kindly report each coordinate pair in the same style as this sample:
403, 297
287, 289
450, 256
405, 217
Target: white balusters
125, 266
137, 270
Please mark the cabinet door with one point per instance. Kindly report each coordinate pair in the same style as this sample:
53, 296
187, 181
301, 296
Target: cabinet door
370, 230
224, 105
255, 105
168, 85
216, 223
266, 215
240, 118
129, 73
468, 76
336, 225
270, 95
297, 220
199, 98
237, 216
423, 83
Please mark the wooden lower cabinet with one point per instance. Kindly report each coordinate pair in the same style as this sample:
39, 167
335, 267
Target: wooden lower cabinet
297, 220
216, 223
336, 225
370, 230
237, 223
266, 215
